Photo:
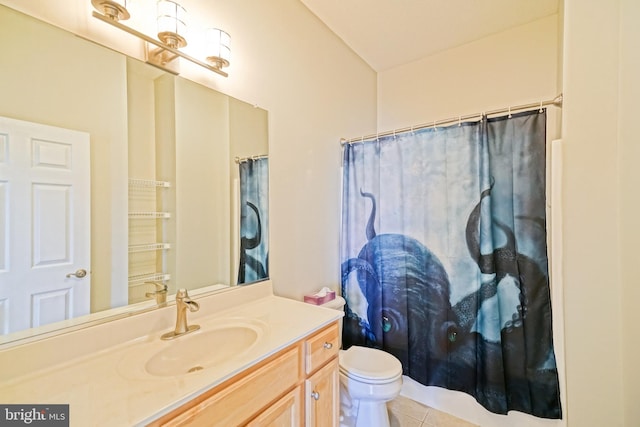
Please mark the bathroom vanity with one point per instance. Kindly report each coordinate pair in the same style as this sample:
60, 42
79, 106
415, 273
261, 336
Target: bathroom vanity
257, 360
300, 380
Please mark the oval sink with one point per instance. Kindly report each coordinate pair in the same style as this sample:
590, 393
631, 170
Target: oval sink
203, 348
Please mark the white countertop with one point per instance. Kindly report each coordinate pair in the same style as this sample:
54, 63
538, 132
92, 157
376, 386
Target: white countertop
109, 387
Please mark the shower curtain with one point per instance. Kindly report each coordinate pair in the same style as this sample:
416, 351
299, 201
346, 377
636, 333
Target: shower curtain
444, 261
254, 220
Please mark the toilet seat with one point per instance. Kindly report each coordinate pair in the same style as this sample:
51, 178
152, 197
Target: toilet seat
369, 365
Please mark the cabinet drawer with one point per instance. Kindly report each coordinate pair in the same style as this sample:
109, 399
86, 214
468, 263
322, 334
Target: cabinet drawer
321, 347
240, 401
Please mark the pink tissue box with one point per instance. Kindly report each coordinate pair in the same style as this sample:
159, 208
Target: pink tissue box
317, 300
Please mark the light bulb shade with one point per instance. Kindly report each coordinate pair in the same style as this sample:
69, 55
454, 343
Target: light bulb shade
172, 25
113, 9
218, 45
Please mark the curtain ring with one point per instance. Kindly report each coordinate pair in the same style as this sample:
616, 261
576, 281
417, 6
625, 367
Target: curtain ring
434, 126
509, 112
459, 121
541, 110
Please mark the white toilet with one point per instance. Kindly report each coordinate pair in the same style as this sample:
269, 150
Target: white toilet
369, 378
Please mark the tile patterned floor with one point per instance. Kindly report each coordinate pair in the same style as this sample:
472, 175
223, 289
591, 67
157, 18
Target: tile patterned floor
404, 412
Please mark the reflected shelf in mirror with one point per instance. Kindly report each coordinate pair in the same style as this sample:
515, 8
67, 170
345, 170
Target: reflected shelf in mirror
147, 183
146, 247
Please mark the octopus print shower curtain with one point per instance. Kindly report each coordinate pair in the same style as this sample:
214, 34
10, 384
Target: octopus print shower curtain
254, 220
444, 261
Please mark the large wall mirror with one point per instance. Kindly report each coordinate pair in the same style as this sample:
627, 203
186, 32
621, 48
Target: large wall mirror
172, 170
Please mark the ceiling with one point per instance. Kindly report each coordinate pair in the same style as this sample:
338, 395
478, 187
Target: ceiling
389, 33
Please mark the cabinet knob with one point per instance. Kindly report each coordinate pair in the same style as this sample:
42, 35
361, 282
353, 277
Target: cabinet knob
328, 345
315, 395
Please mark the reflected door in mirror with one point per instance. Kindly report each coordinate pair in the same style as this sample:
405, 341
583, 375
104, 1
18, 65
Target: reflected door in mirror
44, 224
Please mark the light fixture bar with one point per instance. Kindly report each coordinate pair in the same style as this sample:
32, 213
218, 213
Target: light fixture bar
157, 43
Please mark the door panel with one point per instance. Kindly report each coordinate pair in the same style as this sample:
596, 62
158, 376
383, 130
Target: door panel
4, 226
51, 220
49, 154
52, 306
44, 224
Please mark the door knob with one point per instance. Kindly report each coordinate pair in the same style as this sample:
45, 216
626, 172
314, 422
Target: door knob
79, 273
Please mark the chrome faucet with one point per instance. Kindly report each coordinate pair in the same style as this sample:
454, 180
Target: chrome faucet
160, 293
182, 303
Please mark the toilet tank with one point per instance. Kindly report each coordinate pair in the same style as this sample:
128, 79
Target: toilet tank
337, 303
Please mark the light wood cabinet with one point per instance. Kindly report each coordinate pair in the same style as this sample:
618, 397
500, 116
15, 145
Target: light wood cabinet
322, 383
321, 347
286, 412
322, 402
296, 386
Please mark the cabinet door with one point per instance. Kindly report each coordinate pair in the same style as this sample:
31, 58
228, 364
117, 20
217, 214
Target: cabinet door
286, 412
322, 402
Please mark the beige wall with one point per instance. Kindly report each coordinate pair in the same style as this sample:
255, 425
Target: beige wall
514, 67
315, 89
599, 73
601, 69
509, 68
202, 213
80, 73
141, 165
591, 205
629, 109
600, 83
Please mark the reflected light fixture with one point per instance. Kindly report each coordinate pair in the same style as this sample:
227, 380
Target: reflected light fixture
171, 24
171, 20
218, 47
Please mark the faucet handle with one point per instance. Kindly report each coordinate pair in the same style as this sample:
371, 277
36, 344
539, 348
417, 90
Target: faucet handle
160, 292
160, 287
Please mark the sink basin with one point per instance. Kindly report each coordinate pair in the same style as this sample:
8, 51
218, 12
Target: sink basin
209, 346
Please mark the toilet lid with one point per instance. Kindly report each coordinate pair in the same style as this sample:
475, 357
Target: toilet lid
369, 364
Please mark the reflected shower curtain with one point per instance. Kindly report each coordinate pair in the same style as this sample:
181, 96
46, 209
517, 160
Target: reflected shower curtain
444, 259
254, 220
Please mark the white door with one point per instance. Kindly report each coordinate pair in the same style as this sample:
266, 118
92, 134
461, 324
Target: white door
44, 224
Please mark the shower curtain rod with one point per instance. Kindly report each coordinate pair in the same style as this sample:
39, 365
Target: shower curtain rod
239, 160
557, 101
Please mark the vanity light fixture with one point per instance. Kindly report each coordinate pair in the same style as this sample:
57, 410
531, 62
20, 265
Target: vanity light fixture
171, 35
113, 9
